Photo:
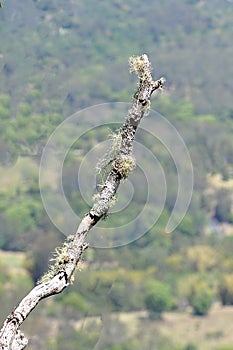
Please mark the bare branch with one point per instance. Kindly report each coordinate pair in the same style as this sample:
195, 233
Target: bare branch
60, 274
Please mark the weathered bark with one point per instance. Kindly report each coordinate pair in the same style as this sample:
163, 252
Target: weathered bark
70, 253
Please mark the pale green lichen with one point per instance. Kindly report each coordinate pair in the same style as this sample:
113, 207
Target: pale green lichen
58, 262
141, 66
96, 197
104, 165
124, 165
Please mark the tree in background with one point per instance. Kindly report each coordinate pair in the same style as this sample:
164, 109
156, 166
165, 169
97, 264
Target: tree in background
158, 298
201, 302
223, 207
225, 289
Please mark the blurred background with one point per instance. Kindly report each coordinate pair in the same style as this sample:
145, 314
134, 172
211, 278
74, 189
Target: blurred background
163, 291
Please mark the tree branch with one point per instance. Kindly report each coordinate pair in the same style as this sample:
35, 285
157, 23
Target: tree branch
60, 273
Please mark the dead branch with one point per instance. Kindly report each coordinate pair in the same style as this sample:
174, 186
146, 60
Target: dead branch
60, 274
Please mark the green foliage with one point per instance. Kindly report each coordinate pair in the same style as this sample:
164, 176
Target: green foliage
199, 293
119, 289
5, 101
38, 258
125, 346
118, 295
175, 262
38, 91
4, 112
158, 298
74, 301
201, 303
223, 207
68, 338
24, 214
202, 258
187, 226
226, 289
14, 281
5, 273
190, 347
192, 2
8, 233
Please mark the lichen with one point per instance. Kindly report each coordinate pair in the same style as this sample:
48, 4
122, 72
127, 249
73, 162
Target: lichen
141, 66
104, 165
61, 257
96, 197
124, 165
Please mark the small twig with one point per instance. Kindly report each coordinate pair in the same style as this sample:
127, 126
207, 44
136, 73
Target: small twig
61, 272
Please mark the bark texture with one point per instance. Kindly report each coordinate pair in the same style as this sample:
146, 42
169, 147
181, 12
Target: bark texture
60, 274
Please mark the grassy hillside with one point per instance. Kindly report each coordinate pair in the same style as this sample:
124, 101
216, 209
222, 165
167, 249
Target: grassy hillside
176, 330
58, 57
67, 55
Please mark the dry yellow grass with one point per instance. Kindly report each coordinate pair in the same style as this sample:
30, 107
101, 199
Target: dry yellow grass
216, 182
15, 263
12, 259
207, 333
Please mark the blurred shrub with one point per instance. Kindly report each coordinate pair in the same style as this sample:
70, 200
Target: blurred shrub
226, 289
201, 257
223, 207
175, 262
197, 292
158, 298
190, 347
201, 302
